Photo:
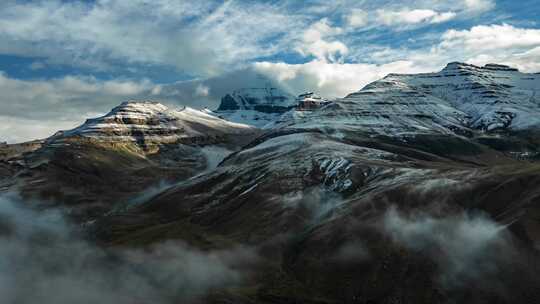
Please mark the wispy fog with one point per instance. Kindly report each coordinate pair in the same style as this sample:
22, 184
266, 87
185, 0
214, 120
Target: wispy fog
44, 259
318, 204
465, 247
352, 251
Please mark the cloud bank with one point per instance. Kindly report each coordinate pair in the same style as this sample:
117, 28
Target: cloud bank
43, 258
467, 248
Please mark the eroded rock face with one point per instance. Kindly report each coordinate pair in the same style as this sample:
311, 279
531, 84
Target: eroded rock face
10, 151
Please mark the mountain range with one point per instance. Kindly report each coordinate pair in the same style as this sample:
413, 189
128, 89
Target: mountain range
419, 188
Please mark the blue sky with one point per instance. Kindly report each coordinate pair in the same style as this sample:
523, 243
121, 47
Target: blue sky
62, 61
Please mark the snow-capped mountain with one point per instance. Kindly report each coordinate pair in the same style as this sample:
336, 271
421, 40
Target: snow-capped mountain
148, 122
494, 96
459, 99
255, 106
266, 108
267, 100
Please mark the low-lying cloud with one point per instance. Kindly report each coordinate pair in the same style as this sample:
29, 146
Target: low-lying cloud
34, 109
316, 205
465, 247
44, 259
331, 79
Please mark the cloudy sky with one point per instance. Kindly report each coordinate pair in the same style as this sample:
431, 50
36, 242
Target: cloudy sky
62, 61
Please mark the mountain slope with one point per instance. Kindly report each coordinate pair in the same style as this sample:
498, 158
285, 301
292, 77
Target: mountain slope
321, 212
107, 161
495, 96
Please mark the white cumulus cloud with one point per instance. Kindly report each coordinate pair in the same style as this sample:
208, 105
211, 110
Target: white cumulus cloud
495, 43
315, 42
202, 90
331, 79
491, 37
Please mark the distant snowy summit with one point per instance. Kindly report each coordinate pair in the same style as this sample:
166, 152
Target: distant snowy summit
265, 100
255, 106
148, 122
262, 107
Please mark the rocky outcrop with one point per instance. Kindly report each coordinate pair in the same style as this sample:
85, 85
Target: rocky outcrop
310, 101
264, 109
9, 151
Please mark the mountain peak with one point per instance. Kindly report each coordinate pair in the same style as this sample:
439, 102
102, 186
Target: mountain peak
266, 100
139, 106
150, 122
257, 106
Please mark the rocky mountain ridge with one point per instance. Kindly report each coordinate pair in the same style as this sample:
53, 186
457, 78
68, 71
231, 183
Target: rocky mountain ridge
494, 96
460, 99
